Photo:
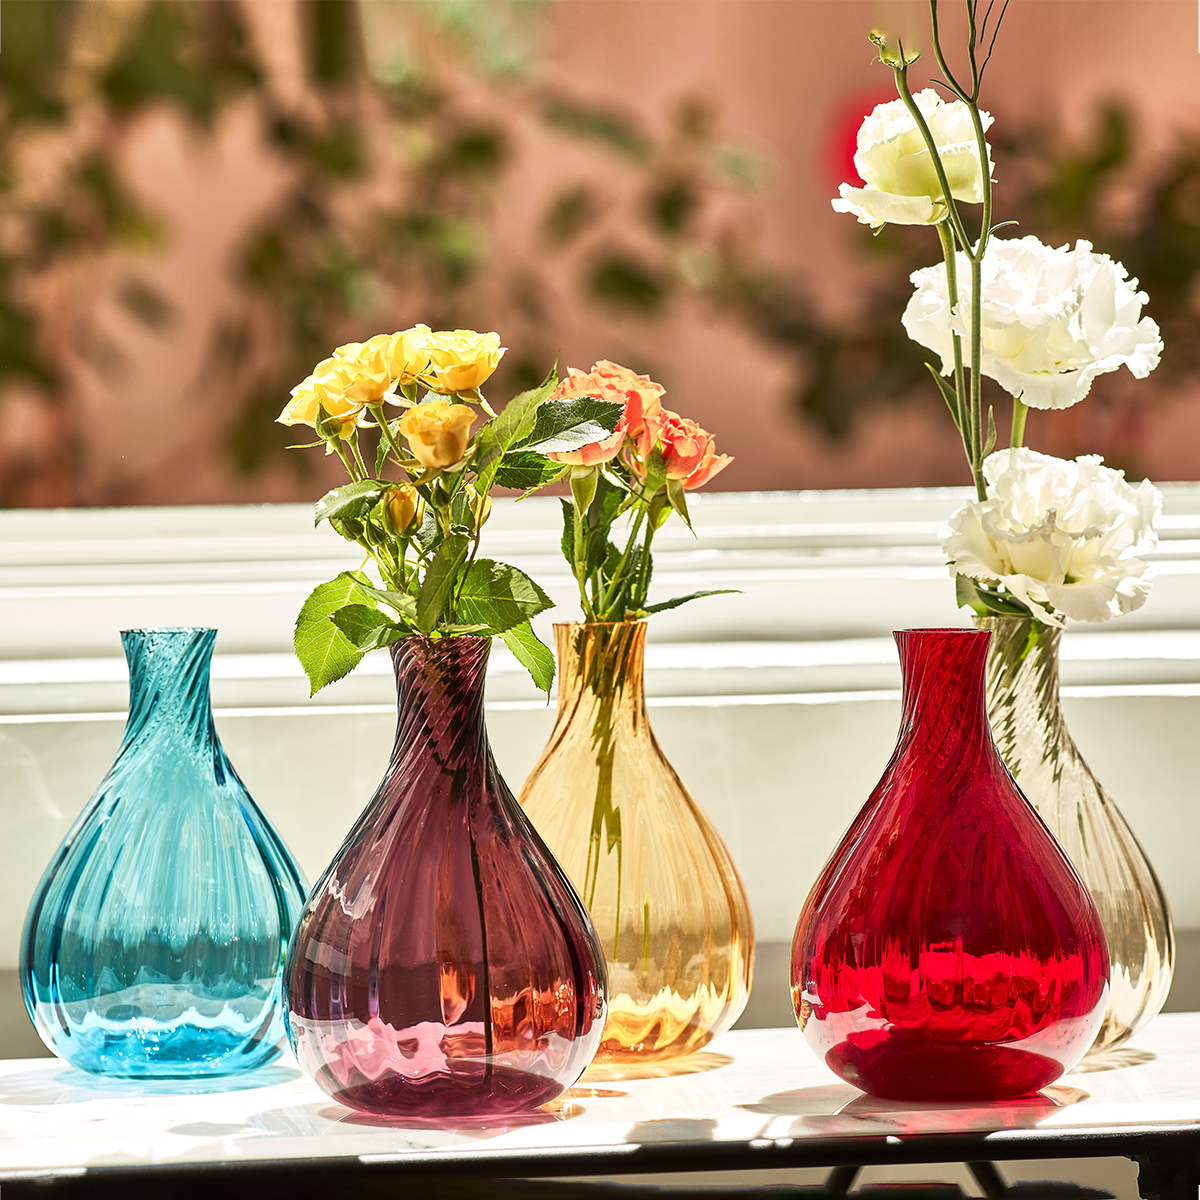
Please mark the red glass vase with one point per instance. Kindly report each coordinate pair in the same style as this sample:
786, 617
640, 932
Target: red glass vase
948, 950
443, 965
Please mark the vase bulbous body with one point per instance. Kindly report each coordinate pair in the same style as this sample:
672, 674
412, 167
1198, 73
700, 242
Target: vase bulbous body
443, 965
666, 900
948, 950
154, 944
1031, 733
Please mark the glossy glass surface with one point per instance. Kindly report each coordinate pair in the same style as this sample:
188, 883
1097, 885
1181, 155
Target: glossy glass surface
667, 902
1032, 736
443, 965
154, 943
948, 950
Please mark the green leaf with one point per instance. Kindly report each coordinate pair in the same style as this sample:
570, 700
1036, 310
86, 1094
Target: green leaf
402, 602
505, 430
525, 471
948, 394
678, 600
678, 500
499, 595
568, 533
532, 653
970, 595
565, 425
990, 441
440, 578
323, 649
349, 500
606, 505
367, 627
583, 486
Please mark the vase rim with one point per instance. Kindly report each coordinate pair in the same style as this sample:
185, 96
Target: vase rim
598, 624
171, 629
947, 629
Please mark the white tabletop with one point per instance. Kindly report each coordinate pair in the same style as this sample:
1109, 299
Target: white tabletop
755, 1098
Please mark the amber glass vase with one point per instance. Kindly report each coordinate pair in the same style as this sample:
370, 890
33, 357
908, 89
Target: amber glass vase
664, 895
1032, 736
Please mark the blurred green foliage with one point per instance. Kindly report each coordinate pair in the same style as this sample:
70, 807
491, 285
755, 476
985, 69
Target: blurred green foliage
394, 177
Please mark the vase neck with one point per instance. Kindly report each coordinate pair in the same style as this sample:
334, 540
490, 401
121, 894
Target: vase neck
439, 693
169, 683
944, 699
601, 667
1022, 679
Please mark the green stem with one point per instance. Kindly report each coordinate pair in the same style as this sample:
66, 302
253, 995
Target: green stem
1020, 412
611, 591
977, 380
952, 214
376, 410
949, 253
340, 448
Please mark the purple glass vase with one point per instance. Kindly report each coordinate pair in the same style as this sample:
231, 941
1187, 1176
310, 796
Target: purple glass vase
443, 965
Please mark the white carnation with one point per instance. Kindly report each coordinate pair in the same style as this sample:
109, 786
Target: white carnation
1051, 320
901, 178
1063, 537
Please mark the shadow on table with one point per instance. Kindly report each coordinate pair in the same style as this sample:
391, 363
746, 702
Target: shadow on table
671, 1129
693, 1064
1114, 1060
839, 1108
72, 1086
481, 1128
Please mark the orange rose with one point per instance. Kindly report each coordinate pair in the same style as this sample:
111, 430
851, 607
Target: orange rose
404, 506
689, 452
607, 381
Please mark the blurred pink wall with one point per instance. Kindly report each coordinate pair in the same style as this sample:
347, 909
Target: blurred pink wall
778, 71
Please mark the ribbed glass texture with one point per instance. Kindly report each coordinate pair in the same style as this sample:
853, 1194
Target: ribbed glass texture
1027, 721
663, 892
948, 950
154, 944
443, 965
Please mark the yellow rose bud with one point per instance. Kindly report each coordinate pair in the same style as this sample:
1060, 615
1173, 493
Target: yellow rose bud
463, 360
481, 507
437, 432
404, 506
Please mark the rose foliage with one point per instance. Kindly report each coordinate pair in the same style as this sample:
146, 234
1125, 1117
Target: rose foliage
638, 475
418, 495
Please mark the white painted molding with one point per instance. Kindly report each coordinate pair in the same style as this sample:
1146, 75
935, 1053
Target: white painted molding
778, 706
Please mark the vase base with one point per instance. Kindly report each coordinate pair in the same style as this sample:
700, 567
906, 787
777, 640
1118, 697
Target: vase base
904, 1067
182, 1052
504, 1092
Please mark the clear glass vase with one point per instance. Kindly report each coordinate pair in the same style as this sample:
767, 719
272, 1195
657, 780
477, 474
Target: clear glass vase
948, 951
443, 966
665, 897
154, 944
1031, 733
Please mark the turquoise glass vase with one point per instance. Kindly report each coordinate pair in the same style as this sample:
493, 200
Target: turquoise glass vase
154, 944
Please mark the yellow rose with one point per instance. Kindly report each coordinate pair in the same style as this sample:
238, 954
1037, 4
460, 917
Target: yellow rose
407, 356
404, 506
325, 388
463, 360
361, 369
437, 432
